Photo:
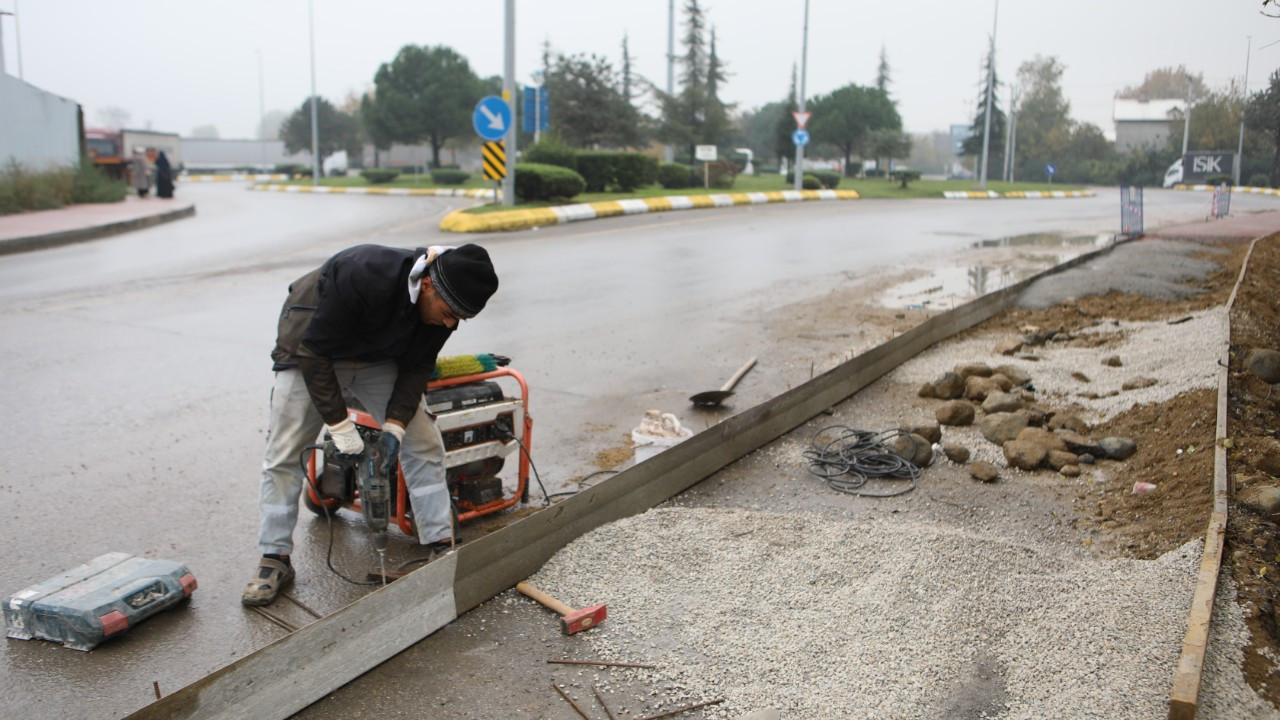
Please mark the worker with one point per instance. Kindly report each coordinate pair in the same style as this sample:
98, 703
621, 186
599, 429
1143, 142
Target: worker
370, 321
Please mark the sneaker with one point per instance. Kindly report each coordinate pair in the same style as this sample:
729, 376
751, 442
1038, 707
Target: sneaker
272, 576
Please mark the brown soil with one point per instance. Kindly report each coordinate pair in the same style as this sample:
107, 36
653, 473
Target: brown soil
1253, 539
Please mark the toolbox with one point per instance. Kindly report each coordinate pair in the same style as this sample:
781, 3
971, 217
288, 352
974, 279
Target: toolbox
98, 600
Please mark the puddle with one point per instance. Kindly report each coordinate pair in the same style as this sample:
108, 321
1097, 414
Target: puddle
1027, 255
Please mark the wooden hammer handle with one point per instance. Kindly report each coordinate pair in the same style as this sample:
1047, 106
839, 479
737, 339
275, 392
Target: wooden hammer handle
543, 598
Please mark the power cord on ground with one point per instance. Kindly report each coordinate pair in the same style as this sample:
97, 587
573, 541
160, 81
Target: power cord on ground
847, 459
328, 557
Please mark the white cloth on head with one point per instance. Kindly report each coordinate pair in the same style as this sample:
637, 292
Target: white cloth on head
420, 268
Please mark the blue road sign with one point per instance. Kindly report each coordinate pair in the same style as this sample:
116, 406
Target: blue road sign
1050, 169
541, 113
492, 118
800, 138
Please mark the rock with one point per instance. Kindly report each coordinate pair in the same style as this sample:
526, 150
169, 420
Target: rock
1059, 459
1079, 377
1001, 402
949, 386
1263, 453
1016, 375
1118, 448
1264, 364
1262, 498
968, 370
1081, 445
956, 412
912, 448
1008, 346
1000, 428
956, 453
1086, 458
1024, 455
1112, 361
1137, 383
927, 391
1043, 438
1005, 383
978, 388
1034, 414
1068, 421
1070, 470
984, 471
1142, 488
932, 433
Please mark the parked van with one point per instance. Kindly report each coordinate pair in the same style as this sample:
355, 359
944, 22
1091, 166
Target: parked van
1173, 175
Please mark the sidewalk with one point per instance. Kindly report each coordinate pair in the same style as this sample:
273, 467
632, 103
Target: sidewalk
77, 223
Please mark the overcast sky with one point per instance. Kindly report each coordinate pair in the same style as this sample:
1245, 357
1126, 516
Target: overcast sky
178, 64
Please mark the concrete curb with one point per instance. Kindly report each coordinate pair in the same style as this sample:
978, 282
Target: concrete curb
68, 237
1016, 194
326, 190
464, 222
231, 177
1235, 189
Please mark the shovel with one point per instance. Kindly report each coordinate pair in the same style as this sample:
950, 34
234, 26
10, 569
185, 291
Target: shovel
713, 398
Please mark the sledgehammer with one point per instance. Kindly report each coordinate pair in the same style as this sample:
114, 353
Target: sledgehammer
571, 621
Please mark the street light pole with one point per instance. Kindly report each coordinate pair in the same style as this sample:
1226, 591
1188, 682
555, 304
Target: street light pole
2, 14
509, 95
804, 69
1186, 121
315, 122
991, 81
668, 153
262, 112
17, 36
1244, 104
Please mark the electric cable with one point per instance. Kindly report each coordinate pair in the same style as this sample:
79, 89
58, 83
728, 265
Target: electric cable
850, 459
502, 428
580, 481
328, 557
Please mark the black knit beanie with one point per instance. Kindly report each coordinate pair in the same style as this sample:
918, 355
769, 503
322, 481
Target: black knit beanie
464, 277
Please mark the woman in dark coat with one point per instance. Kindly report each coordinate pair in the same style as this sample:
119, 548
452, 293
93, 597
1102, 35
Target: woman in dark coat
164, 176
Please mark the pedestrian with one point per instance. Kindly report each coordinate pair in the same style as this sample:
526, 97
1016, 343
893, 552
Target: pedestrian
164, 177
371, 321
139, 173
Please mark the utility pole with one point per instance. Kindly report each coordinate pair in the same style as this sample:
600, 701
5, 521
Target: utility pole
991, 81
668, 152
1013, 137
1186, 122
509, 95
315, 122
262, 113
804, 69
1244, 104
17, 35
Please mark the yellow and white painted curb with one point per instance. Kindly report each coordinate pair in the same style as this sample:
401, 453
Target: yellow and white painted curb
328, 190
1236, 189
230, 177
1022, 194
465, 222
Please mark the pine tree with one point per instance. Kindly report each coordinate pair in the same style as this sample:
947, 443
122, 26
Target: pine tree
882, 72
995, 143
715, 127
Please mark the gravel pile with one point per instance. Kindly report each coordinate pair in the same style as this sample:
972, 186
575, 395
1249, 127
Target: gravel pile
823, 618
1179, 357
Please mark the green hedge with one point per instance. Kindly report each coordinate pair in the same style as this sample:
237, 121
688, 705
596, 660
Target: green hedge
1259, 180
621, 171
536, 181
827, 179
377, 176
550, 150
811, 182
449, 176
22, 189
674, 176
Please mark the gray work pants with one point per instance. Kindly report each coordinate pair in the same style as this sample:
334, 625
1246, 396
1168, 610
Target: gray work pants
295, 424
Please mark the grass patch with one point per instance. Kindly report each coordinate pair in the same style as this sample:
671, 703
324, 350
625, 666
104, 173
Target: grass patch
23, 189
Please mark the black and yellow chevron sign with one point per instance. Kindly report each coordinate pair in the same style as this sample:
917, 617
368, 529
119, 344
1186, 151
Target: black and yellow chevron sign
495, 160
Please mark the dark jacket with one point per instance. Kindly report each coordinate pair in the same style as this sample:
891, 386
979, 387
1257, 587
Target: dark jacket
356, 307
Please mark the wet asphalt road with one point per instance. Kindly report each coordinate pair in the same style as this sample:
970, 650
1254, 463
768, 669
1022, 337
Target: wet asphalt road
136, 377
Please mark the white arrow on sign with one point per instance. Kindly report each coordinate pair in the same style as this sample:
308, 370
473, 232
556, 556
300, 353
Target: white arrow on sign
495, 120
801, 118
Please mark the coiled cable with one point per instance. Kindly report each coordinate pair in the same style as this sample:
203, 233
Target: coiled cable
847, 459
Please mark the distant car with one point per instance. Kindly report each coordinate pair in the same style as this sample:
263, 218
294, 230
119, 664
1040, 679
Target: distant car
1173, 175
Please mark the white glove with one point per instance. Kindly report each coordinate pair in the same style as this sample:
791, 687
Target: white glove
394, 429
346, 438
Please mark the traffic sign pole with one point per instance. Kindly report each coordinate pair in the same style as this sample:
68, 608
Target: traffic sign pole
804, 68
509, 94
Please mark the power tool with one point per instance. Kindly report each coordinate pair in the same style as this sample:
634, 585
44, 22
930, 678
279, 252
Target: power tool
365, 471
